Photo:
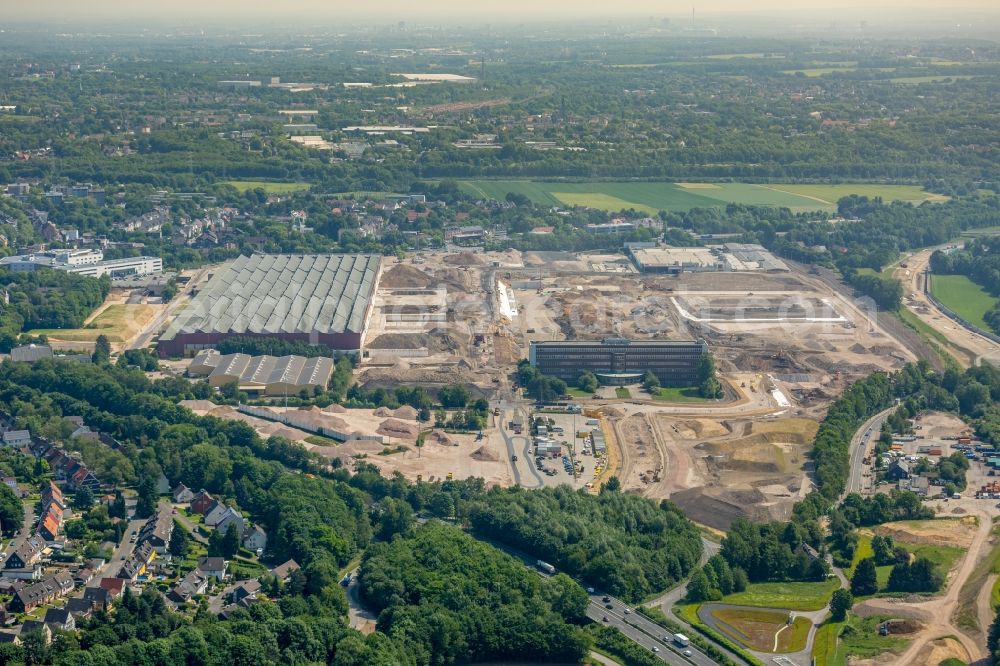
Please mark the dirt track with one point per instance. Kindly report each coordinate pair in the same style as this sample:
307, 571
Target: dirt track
937, 613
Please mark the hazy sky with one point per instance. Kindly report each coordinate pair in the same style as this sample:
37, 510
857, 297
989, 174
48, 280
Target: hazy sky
510, 10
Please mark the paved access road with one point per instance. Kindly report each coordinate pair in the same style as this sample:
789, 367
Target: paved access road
869, 430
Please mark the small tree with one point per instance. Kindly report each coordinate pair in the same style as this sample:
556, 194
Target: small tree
180, 542
231, 541
840, 603
650, 382
83, 499
587, 382
882, 548
612, 485
708, 384
865, 580
102, 350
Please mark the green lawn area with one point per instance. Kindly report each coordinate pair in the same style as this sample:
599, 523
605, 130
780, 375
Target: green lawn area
825, 644
673, 394
964, 297
268, 186
757, 629
790, 596
320, 440
601, 201
863, 640
622, 393
577, 393
943, 557
650, 197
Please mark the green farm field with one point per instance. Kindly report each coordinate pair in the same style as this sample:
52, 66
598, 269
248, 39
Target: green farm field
964, 297
648, 197
270, 187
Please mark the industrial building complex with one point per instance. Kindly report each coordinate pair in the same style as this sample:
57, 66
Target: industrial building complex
619, 360
319, 299
83, 262
650, 258
269, 375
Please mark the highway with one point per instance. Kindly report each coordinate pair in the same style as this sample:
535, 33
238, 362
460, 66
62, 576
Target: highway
644, 631
870, 429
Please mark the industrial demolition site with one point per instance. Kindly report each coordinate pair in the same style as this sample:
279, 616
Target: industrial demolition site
785, 344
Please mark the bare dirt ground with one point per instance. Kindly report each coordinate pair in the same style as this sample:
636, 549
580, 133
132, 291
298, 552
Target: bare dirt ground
716, 469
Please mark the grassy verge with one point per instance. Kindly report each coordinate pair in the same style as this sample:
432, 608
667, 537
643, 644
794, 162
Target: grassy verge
788, 596
706, 646
613, 643
763, 630
577, 393
690, 614
824, 650
622, 393
939, 344
964, 297
320, 440
688, 394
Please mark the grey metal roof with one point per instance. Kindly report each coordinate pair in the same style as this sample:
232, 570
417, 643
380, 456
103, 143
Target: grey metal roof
284, 293
296, 371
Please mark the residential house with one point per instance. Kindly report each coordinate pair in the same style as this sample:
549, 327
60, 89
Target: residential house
9, 637
49, 526
284, 571
44, 591
245, 590
202, 502
193, 584
84, 478
27, 554
254, 538
233, 518
16, 437
98, 597
31, 626
182, 494
157, 530
214, 567
137, 564
60, 618
79, 607
215, 513
898, 469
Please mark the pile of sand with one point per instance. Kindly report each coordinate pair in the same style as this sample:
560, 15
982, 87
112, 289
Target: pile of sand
334, 408
463, 259
406, 413
383, 411
403, 276
398, 429
440, 437
483, 455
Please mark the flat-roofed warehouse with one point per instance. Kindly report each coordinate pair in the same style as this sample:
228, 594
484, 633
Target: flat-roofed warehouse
316, 298
269, 375
619, 360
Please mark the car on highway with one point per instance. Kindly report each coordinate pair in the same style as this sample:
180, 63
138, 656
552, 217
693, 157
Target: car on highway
605, 598
590, 590
655, 649
608, 606
605, 618
687, 653
627, 611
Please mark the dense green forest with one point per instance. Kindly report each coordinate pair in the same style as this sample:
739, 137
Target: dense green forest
46, 299
627, 545
453, 599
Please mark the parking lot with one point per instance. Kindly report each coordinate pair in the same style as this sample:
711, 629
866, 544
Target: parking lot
561, 455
